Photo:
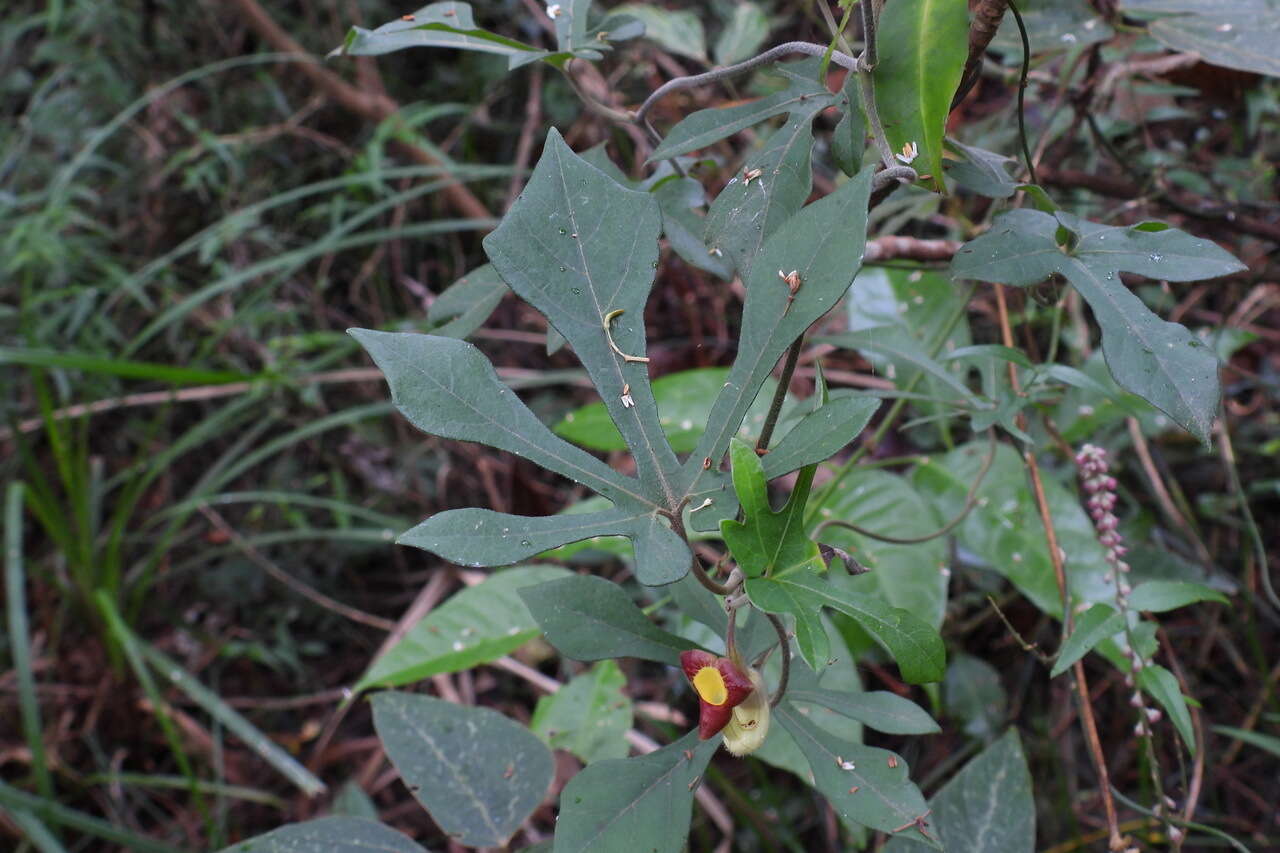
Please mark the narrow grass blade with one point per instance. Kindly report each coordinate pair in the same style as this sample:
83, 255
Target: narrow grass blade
253, 737
13, 800
19, 639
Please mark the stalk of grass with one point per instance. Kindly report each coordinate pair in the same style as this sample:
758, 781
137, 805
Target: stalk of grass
132, 649
37, 834
222, 789
48, 811
234, 722
19, 639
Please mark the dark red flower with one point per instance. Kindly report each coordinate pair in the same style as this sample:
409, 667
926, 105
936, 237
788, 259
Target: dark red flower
720, 685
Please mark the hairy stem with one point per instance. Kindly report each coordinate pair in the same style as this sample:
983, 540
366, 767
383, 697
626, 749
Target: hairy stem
695, 80
775, 405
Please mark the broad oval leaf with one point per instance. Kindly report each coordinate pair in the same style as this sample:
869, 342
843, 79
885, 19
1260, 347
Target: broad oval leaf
329, 835
922, 46
477, 625
478, 773
1004, 528
678, 31
632, 804
973, 694
863, 784
987, 806
590, 618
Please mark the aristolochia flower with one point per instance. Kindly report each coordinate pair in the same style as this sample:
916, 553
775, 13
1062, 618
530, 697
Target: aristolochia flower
729, 700
721, 686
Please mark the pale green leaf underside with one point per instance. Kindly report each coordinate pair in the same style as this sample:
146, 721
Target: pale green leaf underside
589, 716
634, 804
922, 45
589, 618
332, 835
743, 34
1161, 362
885, 798
478, 773
579, 247
477, 625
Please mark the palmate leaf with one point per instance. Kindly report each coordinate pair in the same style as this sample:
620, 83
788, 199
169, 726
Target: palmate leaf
580, 249
448, 388
863, 784
824, 244
1159, 361
880, 709
767, 542
915, 645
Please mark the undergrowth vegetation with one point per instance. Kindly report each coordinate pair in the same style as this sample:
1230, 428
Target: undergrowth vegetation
886, 391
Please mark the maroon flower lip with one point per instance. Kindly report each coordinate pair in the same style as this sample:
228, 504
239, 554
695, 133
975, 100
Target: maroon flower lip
721, 686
